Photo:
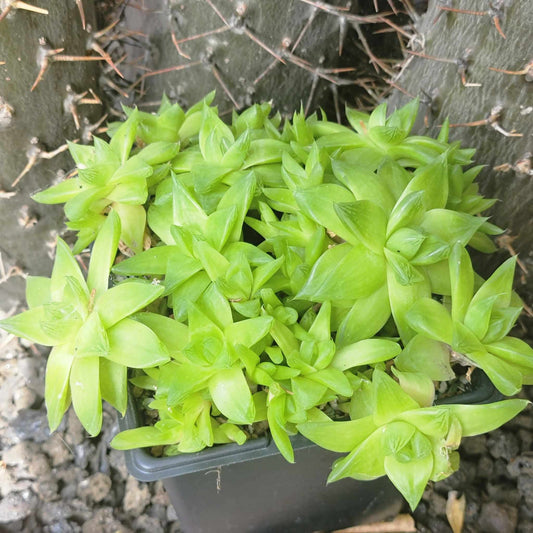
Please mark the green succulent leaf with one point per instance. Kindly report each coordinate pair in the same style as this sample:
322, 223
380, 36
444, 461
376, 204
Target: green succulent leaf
57, 383
431, 319
365, 462
332, 277
365, 352
85, 391
410, 471
338, 436
37, 291
114, 384
125, 299
232, 396
427, 356
365, 318
103, 254
478, 419
135, 345
366, 220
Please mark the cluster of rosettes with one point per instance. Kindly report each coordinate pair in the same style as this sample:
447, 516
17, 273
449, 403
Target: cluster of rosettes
292, 272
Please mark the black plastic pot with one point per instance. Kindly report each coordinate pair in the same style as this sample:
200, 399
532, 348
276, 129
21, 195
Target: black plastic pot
248, 488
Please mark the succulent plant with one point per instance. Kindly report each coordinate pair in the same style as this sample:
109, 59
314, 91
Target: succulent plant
307, 274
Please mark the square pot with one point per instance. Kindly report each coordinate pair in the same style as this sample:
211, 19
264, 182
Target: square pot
232, 488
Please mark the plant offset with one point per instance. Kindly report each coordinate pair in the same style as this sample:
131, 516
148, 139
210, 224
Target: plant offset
303, 273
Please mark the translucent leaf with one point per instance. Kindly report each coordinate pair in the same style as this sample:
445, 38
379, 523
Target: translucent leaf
28, 326
147, 436
428, 356
239, 196
85, 391
404, 117
124, 137
318, 203
64, 265
364, 183
432, 179
338, 436
103, 254
402, 297
334, 278
478, 316
406, 242
173, 334
499, 285
214, 263
407, 211
418, 385
357, 119
306, 392
37, 291
387, 135
133, 223
378, 116
91, 340
159, 152
365, 462
405, 272
135, 345
366, 220
390, 400
57, 387
365, 318
462, 281
433, 250
276, 422
152, 262
451, 226
514, 351
431, 319
365, 352
410, 476
333, 379
248, 332
186, 209
83, 155
114, 384
215, 306
236, 154
125, 299
478, 419
60, 193
232, 396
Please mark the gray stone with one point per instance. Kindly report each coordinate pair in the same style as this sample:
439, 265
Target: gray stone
136, 497
31, 424
498, 518
523, 464
20, 453
38, 465
46, 488
525, 488
57, 449
147, 524
24, 398
51, 512
117, 462
95, 488
103, 521
474, 445
502, 444
17, 506
485, 467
